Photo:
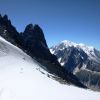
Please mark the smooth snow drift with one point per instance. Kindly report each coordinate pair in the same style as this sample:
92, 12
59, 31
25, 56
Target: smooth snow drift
19, 79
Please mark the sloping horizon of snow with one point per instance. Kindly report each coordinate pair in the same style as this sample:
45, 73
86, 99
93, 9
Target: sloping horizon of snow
19, 79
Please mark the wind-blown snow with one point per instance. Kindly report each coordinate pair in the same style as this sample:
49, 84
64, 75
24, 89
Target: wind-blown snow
19, 79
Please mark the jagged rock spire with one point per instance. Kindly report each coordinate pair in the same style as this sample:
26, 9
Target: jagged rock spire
5, 17
29, 28
8, 31
36, 33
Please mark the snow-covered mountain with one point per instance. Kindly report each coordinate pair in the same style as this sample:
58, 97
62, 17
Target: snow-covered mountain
21, 79
82, 60
89, 50
32, 42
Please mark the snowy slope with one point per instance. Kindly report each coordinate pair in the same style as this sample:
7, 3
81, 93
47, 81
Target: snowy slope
19, 79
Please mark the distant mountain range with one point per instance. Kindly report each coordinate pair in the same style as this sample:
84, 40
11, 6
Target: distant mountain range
81, 60
32, 41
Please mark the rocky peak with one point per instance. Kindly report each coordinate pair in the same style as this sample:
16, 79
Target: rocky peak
35, 33
5, 17
29, 28
5, 21
8, 31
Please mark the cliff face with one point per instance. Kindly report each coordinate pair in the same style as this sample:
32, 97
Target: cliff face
8, 31
34, 42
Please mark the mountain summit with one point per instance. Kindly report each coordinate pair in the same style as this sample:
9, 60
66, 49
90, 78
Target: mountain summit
81, 60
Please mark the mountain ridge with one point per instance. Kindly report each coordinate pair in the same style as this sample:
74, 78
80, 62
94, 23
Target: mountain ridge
89, 50
81, 60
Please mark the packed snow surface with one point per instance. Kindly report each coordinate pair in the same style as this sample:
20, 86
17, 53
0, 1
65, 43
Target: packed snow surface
19, 79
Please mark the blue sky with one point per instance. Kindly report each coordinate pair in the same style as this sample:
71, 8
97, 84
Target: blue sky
74, 20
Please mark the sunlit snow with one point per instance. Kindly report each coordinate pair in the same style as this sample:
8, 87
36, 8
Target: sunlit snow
19, 79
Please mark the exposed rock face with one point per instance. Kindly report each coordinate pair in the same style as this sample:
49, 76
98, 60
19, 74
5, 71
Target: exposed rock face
8, 31
34, 42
